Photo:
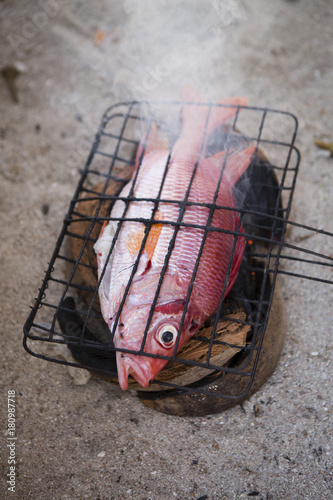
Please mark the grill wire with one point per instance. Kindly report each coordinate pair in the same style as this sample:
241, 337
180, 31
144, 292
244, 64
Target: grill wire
66, 310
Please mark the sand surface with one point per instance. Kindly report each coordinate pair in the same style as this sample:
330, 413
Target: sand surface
92, 440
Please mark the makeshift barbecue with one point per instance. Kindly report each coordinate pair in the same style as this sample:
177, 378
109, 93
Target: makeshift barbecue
164, 275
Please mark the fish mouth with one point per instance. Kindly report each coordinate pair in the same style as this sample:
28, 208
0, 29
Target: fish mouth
143, 369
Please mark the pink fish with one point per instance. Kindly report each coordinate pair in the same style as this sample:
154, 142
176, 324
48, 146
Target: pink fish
163, 335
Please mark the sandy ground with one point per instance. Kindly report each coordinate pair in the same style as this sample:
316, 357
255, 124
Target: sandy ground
94, 441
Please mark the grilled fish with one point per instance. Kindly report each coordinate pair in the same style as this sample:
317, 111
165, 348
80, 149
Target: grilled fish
148, 252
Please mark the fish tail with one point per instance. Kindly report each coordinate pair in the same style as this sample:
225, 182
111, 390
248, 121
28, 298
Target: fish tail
237, 162
227, 110
194, 118
200, 121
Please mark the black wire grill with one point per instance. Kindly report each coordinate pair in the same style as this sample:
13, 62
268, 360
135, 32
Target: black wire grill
66, 311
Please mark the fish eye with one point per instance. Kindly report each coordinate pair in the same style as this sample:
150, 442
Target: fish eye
167, 336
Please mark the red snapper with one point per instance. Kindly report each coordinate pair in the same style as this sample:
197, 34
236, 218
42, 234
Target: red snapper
163, 333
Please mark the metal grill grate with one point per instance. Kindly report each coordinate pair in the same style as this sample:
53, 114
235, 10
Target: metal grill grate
66, 311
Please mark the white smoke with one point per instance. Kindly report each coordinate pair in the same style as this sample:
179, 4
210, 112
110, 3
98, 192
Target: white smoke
168, 43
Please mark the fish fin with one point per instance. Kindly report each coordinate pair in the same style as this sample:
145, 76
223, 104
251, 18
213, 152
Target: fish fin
98, 248
190, 94
103, 227
152, 239
194, 118
238, 255
134, 239
234, 101
220, 114
153, 140
196, 130
123, 370
237, 162
101, 249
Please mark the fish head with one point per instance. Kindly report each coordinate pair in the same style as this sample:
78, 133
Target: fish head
162, 338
